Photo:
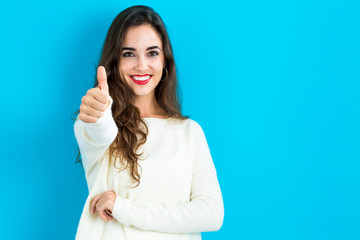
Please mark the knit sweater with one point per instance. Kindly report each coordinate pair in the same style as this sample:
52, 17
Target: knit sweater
179, 194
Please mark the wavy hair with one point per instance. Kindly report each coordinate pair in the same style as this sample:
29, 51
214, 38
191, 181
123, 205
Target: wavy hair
126, 115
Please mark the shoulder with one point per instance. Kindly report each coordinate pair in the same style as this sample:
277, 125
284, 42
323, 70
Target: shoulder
194, 125
189, 125
196, 128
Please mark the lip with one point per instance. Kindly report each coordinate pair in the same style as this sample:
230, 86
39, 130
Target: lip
141, 82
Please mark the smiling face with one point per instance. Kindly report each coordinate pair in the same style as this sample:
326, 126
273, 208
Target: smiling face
142, 60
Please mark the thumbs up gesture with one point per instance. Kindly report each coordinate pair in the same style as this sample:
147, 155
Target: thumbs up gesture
102, 79
96, 100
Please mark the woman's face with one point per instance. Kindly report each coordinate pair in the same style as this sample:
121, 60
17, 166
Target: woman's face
142, 59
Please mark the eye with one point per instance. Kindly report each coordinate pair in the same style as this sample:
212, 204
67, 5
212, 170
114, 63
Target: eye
128, 54
153, 53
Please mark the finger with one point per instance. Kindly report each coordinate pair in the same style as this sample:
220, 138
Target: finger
110, 218
102, 79
87, 118
102, 210
94, 202
95, 104
103, 215
108, 215
108, 212
98, 95
91, 111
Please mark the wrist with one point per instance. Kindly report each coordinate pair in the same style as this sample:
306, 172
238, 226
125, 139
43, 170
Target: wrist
113, 199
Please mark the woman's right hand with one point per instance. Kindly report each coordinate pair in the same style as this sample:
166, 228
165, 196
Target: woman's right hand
96, 100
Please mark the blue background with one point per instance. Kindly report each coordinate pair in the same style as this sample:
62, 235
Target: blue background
274, 84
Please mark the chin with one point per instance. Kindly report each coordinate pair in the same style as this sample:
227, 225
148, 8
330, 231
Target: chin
141, 93
143, 90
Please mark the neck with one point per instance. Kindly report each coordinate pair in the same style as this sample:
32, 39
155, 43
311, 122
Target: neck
148, 106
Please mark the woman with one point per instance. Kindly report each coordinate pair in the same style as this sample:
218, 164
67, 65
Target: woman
148, 168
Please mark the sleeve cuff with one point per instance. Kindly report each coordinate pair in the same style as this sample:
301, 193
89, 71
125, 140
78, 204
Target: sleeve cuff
104, 119
119, 210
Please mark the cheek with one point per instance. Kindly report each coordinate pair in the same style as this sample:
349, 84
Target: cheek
158, 66
123, 69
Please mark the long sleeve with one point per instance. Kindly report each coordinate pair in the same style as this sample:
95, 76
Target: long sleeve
94, 138
204, 212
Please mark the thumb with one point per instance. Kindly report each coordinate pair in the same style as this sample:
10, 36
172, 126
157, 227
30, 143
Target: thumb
102, 79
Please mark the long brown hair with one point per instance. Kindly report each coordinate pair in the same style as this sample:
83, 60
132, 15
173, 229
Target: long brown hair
126, 115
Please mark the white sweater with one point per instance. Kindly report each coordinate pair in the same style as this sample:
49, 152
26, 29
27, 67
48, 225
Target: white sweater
179, 194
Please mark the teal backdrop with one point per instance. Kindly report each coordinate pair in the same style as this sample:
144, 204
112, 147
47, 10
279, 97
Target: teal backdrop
274, 84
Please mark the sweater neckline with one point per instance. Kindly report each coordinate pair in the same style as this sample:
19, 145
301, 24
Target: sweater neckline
176, 123
157, 118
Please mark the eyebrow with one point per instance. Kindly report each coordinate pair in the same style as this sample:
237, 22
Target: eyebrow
133, 49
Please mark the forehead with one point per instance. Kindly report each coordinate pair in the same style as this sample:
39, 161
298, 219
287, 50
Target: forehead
141, 37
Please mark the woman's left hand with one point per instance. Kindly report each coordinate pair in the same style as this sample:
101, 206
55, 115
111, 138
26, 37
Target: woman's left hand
104, 204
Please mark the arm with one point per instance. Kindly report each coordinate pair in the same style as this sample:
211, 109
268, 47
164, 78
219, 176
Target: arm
94, 138
204, 212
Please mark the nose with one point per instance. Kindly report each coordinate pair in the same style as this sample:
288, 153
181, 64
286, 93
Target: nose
141, 64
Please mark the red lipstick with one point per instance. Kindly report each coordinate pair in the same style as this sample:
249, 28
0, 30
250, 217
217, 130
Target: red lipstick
140, 82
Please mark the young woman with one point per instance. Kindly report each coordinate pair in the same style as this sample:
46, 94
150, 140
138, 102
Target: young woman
149, 170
